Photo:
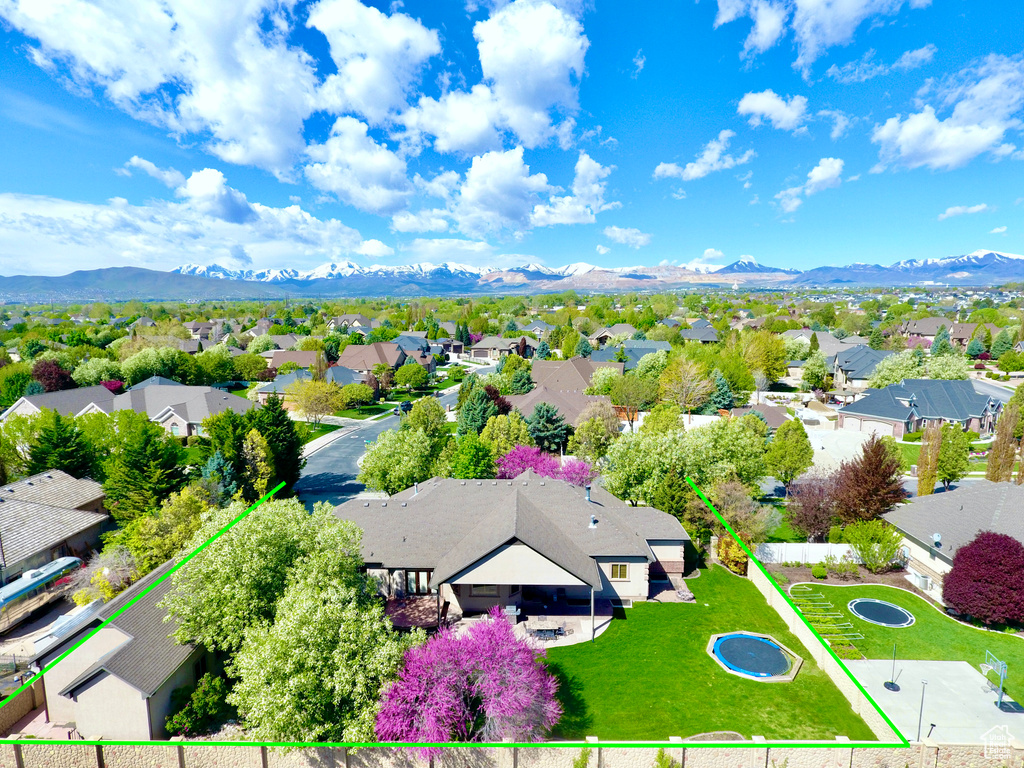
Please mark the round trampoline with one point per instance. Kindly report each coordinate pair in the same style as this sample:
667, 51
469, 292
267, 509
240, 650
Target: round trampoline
880, 612
751, 655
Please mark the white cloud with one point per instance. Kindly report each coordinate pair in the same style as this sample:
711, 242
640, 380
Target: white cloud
825, 175
769, 26
709, 261
638, 63
997, 231
586, 200
442, 185
712, 158
433, 220
532, 57
498, 195
223, 72
361, 172
374, 249
634, 238
866, 67
603, 249
986, 100
168, 177
378, 57
768, 105
961, 210
441, 249
746, 179
211, 223
840, 122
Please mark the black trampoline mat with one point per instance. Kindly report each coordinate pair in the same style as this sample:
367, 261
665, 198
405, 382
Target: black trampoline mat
752, 655
881, 612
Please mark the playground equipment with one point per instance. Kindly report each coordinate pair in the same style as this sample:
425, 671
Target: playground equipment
992, 664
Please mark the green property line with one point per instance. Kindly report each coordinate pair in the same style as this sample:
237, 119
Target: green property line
125, 607
445, 745
903, 741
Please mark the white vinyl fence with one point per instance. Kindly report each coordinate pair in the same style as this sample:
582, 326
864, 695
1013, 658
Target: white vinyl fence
802, 552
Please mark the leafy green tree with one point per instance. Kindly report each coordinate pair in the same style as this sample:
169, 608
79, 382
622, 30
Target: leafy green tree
472, 459
815, 344
941, 345
1004, 449
815, 371
949, 366
214, 365
570, 339
652, 365
547, 428
928, 460
155, 539
876, 543
429, 416
876, 340
503, 433
954, 455
142, 471
317, 673
257, 466
61, 445
1001, 344
664, 417
13, 380
283, 439
396, 460
633, 394
410, 376
601, 381
158, 361
475, 412
895, 368
790, 453
684, 384
725, 449
594, 435
262, 343
638, 461
96, 369
235, 582
356, 395
249, 366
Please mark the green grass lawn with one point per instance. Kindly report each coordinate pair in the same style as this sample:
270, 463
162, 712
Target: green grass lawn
240, 391
933, 636
193, 455
649, 675
366, 412
312, 433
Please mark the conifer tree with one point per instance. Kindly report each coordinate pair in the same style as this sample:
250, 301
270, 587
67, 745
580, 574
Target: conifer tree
942, 345
721, 397
142, 472
475, 412
61, 445
876, 340
283, 440
547, 428
1001, 344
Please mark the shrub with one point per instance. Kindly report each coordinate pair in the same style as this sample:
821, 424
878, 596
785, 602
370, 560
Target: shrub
875, 542
198, 709
987, 579
835, 534
819, 571
731, 554
913, 437
979, 366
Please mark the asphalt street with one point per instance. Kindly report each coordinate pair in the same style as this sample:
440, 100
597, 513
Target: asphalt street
330, 473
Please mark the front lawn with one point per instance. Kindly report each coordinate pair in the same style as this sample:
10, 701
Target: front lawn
933, 636
366, 412
312, 433
649, 675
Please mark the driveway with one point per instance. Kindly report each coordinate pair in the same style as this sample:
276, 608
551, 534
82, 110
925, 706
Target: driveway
832, 447
330, 472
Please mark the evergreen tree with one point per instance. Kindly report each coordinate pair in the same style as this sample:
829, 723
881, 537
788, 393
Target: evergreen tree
219, 479
521, 382
815, 344
721, 398
475, 412
547, 428
543, 351
620, 355
583, 347
975, 347
511, 327
954, 455
142, 472
876, 340
61, 445
1001, 344
942, 345
283, 440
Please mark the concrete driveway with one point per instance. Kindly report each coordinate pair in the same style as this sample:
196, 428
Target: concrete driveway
831, 448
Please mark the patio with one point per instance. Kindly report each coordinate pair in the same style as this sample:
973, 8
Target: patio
34, 725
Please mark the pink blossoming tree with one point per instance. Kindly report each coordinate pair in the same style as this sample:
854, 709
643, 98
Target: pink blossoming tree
524, 457
485, 685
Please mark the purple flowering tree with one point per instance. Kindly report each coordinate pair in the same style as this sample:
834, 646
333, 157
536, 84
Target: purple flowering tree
577, 473
524, 457
485, 685
113, 385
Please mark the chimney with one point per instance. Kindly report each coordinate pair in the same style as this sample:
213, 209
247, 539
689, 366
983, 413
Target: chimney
593, 522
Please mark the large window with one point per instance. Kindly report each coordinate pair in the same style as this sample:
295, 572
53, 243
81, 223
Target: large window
418, 583
484, 590
620, 572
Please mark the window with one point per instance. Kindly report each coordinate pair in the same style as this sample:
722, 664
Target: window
200, 668
483, 590
418, 583
174, 429
620, 571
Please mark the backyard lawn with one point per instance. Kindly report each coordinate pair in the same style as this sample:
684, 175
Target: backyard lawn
649, 675
933, 636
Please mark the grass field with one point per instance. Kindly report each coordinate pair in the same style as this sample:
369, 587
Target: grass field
649, 675
933, 636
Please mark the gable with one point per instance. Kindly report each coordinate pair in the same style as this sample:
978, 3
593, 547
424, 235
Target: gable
516, 563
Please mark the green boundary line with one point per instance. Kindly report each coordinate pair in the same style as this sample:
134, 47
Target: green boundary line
781, 591
448, 745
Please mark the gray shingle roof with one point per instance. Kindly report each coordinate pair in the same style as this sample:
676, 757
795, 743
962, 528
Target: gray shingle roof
191, 403
150, 656
69, 402
960, 515
927, 398
338, 374
27, 528
54, 488
568, 375
156, 380
447, 524
859, 362
570, 405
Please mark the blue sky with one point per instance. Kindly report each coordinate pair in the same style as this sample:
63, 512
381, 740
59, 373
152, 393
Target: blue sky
259, 134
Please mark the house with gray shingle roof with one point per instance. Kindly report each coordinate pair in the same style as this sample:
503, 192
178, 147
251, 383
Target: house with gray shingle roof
47, 516
118, 683
913, 404
478, 543
632, 349
853, 367
934, 527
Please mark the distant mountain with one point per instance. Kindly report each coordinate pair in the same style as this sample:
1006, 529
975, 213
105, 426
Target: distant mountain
335, 279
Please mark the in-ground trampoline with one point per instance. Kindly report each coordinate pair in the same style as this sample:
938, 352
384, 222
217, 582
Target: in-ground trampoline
754, 656
880, 612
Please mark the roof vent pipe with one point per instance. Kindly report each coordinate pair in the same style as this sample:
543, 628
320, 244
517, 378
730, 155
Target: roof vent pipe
593, 522
588, 493
416, 488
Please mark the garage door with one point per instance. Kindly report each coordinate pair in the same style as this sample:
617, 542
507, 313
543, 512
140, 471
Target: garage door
881, 427
851, 423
